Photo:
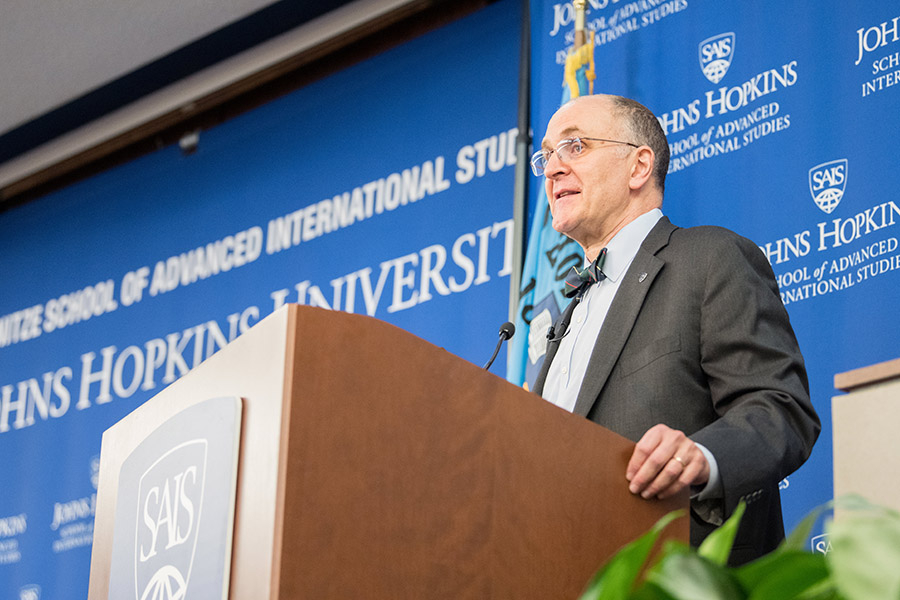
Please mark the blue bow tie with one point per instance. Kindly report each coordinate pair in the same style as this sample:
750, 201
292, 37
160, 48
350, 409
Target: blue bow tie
579, 280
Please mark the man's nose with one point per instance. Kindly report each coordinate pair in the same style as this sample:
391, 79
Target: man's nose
555, 166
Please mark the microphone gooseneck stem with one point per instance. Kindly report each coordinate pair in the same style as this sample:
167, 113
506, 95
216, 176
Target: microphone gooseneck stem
494, 355
507, 330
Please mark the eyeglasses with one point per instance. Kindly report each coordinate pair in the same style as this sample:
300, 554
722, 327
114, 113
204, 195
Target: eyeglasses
566, 150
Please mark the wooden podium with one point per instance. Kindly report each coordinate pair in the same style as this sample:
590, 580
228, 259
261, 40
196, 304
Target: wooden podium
375, 465
866, 450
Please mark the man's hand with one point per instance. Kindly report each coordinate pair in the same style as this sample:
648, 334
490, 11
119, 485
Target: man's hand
664, 462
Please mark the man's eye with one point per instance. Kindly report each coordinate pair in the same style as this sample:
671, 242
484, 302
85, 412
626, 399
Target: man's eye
577, 147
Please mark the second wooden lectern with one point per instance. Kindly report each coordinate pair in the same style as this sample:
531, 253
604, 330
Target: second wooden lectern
375, 465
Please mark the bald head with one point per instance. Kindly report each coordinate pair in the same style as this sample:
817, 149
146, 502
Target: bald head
637, 125
605, 180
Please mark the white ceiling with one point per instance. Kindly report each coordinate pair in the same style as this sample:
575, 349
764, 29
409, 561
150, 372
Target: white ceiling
54, 51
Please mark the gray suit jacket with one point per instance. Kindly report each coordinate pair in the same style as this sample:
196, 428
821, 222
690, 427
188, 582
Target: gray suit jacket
697, 338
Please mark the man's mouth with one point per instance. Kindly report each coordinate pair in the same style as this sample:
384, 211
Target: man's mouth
565, 193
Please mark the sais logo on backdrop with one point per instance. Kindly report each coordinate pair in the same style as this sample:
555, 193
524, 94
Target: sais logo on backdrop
170, 499
30, 592
715, 55
820, 544
827, 182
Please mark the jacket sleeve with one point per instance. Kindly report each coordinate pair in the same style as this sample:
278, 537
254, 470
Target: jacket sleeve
757, 379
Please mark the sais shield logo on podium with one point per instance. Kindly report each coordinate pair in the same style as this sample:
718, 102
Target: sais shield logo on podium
715, 55
175, 502
827, 182
170, 501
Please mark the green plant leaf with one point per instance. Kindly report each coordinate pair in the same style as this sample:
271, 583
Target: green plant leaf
865, 553
783, 575
717, 545
685, 575
648, 591
617, 578
824, 590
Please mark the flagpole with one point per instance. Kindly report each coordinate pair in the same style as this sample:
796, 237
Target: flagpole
580, 38
523, 142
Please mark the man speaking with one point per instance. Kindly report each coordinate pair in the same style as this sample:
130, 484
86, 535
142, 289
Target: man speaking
675, 338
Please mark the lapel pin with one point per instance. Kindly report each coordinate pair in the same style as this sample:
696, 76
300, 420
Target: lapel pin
642, 277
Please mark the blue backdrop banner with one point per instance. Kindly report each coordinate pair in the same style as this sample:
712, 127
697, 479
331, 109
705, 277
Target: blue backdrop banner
778, 117
385, 189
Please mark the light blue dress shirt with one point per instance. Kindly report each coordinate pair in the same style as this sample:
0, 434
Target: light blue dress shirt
571, 360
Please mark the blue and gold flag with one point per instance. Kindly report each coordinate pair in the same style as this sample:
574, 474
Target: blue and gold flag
549, 255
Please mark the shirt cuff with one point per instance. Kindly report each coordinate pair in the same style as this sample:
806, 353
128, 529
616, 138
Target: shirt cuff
713, 487
706, 502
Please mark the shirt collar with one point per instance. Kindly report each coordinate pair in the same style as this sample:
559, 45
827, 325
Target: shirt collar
622, 249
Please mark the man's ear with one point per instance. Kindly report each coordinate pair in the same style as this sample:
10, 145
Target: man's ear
641, 167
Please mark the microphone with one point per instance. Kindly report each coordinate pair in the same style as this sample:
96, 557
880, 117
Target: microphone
507, 330
551, 335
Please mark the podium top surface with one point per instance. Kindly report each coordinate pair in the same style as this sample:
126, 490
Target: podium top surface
851, 380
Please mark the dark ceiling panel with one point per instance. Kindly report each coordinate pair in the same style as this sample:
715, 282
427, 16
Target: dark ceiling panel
241, 35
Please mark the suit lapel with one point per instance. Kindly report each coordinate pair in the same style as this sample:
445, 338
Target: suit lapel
622, 314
